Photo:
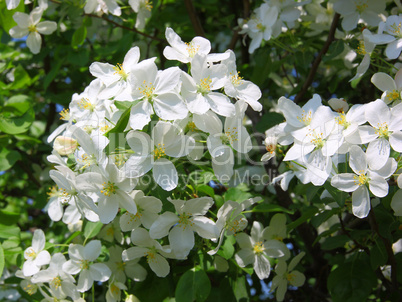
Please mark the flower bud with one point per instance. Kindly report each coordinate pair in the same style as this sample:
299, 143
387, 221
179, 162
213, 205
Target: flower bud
65, 145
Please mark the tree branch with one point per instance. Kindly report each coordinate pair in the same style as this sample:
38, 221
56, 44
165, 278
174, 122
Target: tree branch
318, 59
199, 30
126, 27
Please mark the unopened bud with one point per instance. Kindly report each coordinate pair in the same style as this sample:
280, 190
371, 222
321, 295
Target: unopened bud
65, 145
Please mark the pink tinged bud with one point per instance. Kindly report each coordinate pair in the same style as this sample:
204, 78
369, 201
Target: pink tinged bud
65, 145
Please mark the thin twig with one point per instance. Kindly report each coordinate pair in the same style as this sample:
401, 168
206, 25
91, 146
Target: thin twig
317, 61
199, 30
126, 27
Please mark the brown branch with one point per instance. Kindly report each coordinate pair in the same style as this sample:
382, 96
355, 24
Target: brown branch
317, 61
199, 30
126, 27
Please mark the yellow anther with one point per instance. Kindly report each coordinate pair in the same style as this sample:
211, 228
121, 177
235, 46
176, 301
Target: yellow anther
305, 118
236, 79
185, 220
147, 90
56, 282
84, 264
361, 6
382, 130
65, 114
32, 28
341, 120
290, 277
360, 179
150, 256
396, 29
231, 135
192, 49
114, 289
159, 151
108, 188
120, 265
258, 248
205, 86
393, 95
120, 71
148, 5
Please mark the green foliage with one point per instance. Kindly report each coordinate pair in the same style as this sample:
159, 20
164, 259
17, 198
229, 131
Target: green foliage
194, 285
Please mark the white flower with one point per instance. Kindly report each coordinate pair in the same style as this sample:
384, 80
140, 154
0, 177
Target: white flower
113, 293
151, 153
148, 208
111, 188
285, 274
120, 269
30, 25
116, 77
238, 88
255, 251
143, 9
12, 4
156, 90
387, 124
185, 52
81, 261
357, 183
365, 49
354, 11
392, 36
392, 88
61, 283
197, 90
150, 248
231, 220
181, 227
35, 255
260, 26
105, 6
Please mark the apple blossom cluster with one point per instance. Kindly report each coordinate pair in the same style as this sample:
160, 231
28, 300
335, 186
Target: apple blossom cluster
269, 20
29, 25
321, 138
133, 121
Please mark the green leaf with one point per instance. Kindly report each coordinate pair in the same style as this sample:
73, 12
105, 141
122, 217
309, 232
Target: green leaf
92, 229
2, 260
8, 158
331, 243
262, 67
351, 282
7, 217
378, 255
206, 189
269, 120
227, 250
121, 123
240, 289
268, 208
6, 16
21, 78
335, 49
338, 195
193, 286
308, 213
79, 36
17, 115
7, 232
235, 194
52, 74
319, 219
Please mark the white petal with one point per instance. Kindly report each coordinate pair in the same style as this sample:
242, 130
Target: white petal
383, 81
100, 272
46, 27
378, 153
165, 174
396, 203
159, 266
92, 250
34, 42
345, 182
205, 227
378, 186
361, 202
262, 267
181, 239
162, 225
